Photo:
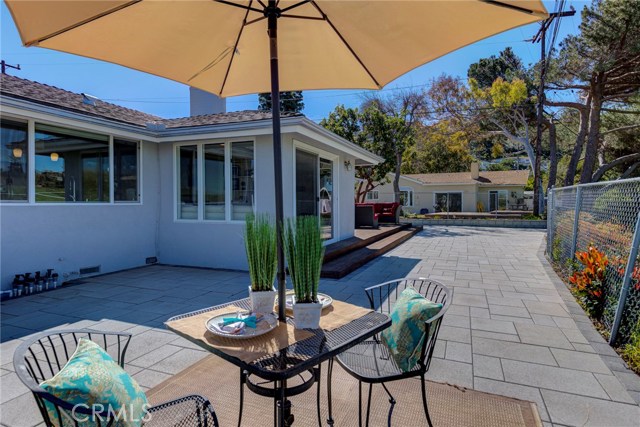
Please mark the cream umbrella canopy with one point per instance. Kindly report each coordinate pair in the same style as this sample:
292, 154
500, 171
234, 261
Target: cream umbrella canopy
238, 47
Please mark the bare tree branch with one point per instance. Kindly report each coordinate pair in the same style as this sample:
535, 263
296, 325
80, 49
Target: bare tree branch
619, 161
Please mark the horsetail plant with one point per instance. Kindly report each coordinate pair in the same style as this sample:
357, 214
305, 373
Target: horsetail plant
260, 242
304, 252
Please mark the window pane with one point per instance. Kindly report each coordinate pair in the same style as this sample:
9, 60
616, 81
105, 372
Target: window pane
441, 202
502, 200
455, 202
214, 185
13, 161
125, 171
188, 185
241, 179
71, 166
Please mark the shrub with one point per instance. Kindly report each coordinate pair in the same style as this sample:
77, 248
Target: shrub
631, 351
588, 284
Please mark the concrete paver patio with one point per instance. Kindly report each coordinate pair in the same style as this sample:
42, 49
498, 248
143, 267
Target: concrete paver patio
513, 328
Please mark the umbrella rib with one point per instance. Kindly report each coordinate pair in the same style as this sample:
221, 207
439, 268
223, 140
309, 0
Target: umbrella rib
355, 55
81, 23
293, 6
509, 6
235, 47
248, 8
312, 18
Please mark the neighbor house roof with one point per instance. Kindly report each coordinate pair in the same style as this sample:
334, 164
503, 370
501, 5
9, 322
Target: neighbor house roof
519, 177
29, 90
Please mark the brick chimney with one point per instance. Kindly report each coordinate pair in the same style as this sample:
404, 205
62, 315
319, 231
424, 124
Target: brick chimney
475, 170
201, 103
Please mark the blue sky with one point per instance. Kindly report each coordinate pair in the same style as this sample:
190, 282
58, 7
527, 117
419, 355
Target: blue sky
168, 99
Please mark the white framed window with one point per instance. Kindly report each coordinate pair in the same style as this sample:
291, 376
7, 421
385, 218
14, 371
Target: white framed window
372, 195
67, 165
406, 196
215, 180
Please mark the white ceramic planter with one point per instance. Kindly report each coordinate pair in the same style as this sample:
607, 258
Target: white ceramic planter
262, 301
307, 315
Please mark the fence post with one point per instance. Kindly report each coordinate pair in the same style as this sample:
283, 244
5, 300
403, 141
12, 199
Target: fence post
550, 207
626, 281
576, 217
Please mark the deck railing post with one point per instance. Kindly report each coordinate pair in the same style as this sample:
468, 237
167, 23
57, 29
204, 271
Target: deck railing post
576, 220
626, 281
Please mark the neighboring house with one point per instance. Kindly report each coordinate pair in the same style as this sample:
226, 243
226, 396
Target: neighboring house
472, 191
87, 186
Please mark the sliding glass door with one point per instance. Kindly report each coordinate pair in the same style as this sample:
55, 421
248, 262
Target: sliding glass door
314, 189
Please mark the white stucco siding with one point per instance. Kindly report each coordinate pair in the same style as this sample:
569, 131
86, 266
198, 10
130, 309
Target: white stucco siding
220, 244
424, 194
68, 237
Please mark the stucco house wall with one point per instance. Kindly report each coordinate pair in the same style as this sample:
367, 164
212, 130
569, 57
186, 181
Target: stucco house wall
70, 236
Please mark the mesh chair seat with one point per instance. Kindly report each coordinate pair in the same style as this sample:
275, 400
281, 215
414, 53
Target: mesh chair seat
371, 362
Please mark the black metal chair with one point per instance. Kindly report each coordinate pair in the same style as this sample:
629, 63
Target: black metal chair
371, 362
45, 354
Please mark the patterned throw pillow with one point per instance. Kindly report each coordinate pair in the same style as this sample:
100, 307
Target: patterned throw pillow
91, 377
405, 336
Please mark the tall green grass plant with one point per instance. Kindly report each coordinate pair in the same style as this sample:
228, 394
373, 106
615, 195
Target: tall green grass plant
260, 241
304, 252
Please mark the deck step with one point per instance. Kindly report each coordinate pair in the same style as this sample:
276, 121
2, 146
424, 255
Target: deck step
351, 261
338, 249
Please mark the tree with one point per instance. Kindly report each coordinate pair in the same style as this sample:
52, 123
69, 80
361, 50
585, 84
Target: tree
438, 148
290, 102
601, 64
348, 123
391, 124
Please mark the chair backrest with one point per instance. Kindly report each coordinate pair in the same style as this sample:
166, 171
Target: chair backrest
45, 354
383, 297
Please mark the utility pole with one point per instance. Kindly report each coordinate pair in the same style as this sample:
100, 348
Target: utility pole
540, 37
4, 66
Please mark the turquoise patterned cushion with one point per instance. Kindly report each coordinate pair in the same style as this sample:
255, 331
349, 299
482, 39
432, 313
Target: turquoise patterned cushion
405, 335
91, 377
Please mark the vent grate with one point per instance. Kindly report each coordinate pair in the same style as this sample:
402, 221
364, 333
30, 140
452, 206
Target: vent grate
90, 270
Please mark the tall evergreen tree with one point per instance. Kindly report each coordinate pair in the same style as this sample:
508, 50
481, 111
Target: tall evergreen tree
290, 102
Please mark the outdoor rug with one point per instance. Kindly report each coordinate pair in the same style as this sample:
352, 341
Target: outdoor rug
449, 405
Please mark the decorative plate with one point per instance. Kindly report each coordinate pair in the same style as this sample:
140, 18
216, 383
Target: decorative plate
325, 299
266, 324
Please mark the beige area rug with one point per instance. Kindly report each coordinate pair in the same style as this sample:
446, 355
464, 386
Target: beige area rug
449, 406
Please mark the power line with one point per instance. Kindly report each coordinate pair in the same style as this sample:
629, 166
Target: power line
4, 66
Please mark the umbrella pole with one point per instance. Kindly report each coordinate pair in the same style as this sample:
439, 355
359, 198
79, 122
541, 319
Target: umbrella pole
272, 25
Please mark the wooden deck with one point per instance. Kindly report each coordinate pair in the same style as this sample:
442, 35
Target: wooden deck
341, 258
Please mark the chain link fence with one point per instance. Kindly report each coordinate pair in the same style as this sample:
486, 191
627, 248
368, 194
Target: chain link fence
605, 216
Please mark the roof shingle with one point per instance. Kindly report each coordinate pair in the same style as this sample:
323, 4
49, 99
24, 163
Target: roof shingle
40, 93
519, 177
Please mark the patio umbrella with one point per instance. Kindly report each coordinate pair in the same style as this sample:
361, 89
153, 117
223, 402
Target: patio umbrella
233, 47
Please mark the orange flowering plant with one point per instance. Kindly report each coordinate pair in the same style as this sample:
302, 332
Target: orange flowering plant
588, 284
620, 264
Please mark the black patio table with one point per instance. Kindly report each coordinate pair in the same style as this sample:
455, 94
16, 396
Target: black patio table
301, 359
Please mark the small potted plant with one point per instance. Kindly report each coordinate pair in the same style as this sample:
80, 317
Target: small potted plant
260, 242
304, 252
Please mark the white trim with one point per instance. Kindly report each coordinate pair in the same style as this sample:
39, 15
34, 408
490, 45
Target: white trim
112, 183
409, 190
201, 209
31, 163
